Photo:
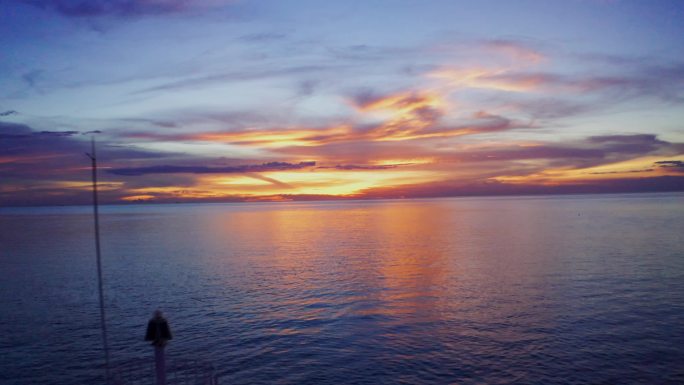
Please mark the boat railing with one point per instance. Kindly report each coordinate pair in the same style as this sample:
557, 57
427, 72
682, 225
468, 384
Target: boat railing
179, 371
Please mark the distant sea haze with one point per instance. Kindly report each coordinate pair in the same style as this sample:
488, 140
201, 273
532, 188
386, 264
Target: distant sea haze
531, 290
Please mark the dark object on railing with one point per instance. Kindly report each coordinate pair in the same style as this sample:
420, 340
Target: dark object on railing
158, 330
159, 333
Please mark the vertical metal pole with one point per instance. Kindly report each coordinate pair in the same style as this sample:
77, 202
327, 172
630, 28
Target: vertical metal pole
160, 364
103, 325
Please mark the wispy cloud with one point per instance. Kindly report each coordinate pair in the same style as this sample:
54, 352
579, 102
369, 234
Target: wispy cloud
408, 120
233, 76
120, 8
516, 49
54, 155
263, 36
361, 167
39, 134
675, 165
456, 188
662, 82
169, 169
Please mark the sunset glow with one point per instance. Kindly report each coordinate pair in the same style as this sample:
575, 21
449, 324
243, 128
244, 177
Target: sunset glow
280, 101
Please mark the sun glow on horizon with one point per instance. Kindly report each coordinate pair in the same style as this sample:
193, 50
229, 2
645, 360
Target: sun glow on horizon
632, 168
308, 101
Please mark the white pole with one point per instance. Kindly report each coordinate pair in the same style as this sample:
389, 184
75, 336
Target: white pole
103, 325
160, 364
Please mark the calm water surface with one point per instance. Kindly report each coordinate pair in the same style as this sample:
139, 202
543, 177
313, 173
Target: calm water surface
543, 290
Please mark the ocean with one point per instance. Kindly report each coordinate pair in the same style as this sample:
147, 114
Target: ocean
528, 290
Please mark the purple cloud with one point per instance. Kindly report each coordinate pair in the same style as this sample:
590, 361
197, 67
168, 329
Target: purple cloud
488, 187
262, 37
631, 144
536, 152
54, 155
169, 169
235, 76
361, 167
122, 8
676, 165
659, 81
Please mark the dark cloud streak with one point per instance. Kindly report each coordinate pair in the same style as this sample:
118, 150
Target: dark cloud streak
347, 167
117, 8
170, 169
676, 165
493, 188
234, 76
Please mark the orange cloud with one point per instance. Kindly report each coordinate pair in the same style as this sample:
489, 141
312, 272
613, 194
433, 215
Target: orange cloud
639, 167
516, 50
499, 79
277, 138
402, 102
407, 114
403, 116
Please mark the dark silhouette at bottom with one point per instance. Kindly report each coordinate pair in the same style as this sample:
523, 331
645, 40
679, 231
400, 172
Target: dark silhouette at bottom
159, 333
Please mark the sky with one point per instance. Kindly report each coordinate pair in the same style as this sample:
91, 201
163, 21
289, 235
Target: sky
251, 100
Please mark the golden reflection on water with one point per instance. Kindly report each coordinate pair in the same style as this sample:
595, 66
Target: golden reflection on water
427, 260
396, 259
413, 266
378, 290
398, 263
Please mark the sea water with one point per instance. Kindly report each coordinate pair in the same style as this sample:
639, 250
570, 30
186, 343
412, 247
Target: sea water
533, 290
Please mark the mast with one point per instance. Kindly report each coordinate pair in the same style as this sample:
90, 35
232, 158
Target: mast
103, 325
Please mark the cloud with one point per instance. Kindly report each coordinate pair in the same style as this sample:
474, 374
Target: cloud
488, 158
272, 181
168, 169
504, 51
54, 155
621, 172
529, 152
8, 113
118, 8
263, 37
306, 87
589, 152
31, 77
632, 144
551, 107
402, 116
358, 152
404, 101
657, 81
674, 165
361, 167
450, 188
521, 82
411, 124
54, 161
515, 49
15, 131
53, 134
235, 76
20, 131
